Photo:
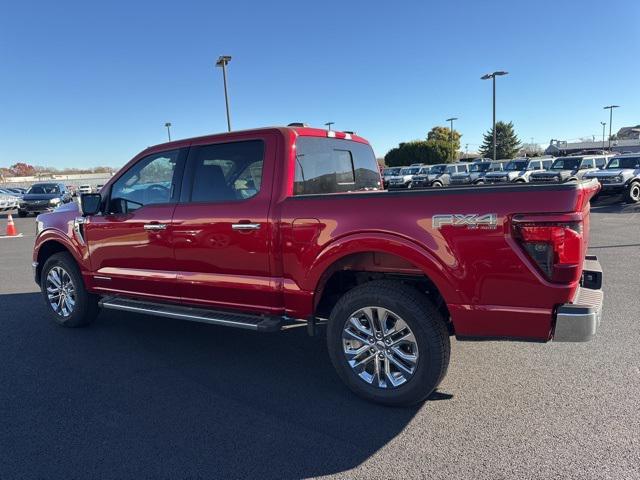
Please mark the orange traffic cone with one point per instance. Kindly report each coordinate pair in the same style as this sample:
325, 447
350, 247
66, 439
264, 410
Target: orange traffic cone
11, 227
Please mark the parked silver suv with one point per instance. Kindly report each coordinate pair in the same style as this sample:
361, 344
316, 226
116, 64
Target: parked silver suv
620, 176
518, 170
403, 179
439, 175
566, 169
477, 172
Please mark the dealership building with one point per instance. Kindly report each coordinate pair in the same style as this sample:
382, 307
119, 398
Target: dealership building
558, 147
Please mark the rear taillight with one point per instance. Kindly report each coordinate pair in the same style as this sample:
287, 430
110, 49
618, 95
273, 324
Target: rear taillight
555, 248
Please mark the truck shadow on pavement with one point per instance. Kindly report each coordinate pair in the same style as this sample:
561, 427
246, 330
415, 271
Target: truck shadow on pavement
150, 397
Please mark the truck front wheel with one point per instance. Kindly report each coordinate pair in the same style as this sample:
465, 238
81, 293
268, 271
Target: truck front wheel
68, 301
388, 343
632, 193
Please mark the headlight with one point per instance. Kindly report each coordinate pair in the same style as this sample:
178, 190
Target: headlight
54, 201
619, 179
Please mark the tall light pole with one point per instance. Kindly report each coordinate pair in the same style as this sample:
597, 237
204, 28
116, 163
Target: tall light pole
223, 61
451, 137
168, 125
604, 124
328, 125
610, 108
493, 77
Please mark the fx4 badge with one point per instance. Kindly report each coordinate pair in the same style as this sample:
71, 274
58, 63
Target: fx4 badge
469, 220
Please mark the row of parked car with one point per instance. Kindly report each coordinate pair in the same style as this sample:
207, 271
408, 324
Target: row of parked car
40, 197
617, 173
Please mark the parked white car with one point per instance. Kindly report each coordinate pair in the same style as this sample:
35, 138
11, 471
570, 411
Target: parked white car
8, 202
84, 189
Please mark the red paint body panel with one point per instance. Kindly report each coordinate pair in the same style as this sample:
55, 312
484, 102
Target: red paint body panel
221, 267
491, 287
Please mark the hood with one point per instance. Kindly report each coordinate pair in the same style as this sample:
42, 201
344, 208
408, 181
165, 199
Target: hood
558, 173
69, 207
609, 173
62, 215
40, 196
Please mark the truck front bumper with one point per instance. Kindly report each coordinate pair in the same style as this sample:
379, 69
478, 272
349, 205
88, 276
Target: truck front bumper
579, 320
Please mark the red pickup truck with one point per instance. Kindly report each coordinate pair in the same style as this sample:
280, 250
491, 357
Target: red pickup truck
276, 228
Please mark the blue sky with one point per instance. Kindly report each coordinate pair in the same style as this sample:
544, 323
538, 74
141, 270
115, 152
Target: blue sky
92, 83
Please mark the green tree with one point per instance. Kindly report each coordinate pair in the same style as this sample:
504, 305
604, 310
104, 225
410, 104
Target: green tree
507, 142
443, 134
419, 151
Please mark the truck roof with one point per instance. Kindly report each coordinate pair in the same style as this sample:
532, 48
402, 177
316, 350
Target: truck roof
297, 131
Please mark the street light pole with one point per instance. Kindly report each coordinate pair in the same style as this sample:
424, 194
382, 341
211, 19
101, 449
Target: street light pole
168, 125
451, 136
328, 125
223, 61
610, 108
493, 77
604, 124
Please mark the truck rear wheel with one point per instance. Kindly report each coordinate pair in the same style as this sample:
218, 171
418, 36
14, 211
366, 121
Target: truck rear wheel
632, 193
388, 343
68, 302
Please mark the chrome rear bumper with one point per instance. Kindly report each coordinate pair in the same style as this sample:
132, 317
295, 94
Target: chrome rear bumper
579, 320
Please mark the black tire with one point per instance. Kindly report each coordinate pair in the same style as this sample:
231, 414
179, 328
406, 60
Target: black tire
22, 213
436, 185
632, 192
424, 320
86, 307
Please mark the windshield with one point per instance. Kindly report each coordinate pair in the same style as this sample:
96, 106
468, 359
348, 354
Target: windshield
424, 170
409, 171
479, 167
437, 169
566, 164
517, 165
391, 172
625, 162
45, 188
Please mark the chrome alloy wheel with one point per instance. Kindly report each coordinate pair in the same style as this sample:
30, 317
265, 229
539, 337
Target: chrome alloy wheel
60, 291
380, 347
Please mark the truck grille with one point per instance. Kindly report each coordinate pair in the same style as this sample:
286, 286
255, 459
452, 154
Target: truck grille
545, 179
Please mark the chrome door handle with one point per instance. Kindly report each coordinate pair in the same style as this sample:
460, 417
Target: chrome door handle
155, 226
245, 226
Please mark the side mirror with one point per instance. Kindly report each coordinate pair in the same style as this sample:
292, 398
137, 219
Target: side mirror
90, 203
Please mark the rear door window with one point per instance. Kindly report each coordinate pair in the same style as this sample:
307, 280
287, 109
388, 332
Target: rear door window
331, 165
225, 172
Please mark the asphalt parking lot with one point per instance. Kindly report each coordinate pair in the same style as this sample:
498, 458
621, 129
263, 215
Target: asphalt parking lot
135, 396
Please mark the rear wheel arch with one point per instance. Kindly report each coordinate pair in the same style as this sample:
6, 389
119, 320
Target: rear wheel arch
398, 260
